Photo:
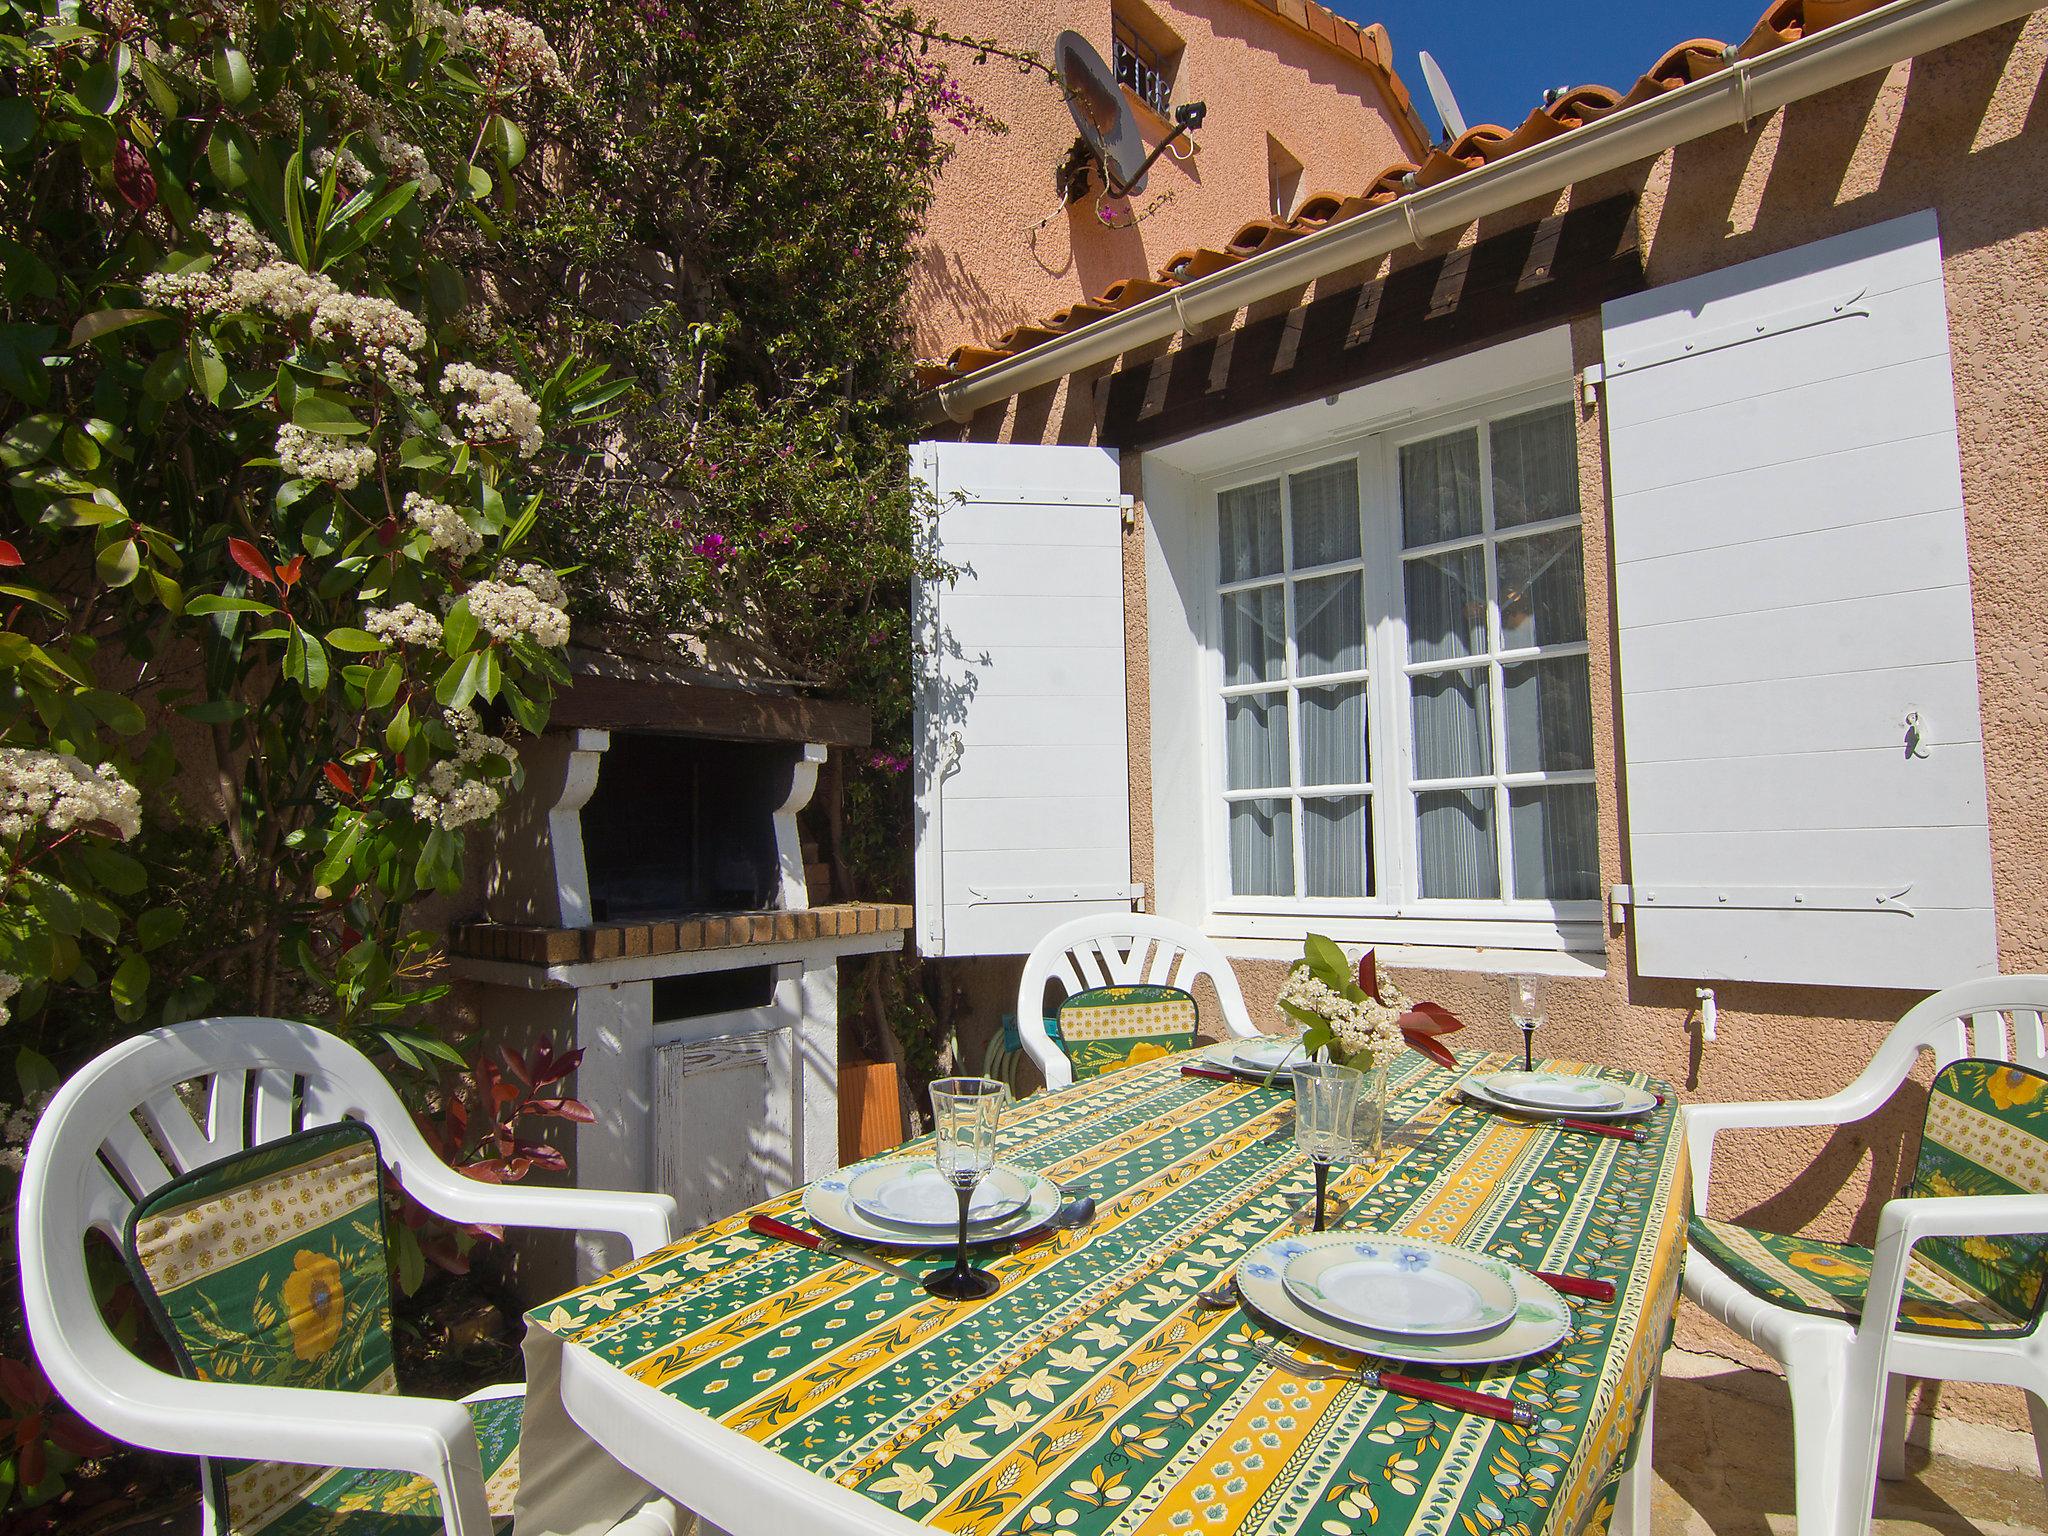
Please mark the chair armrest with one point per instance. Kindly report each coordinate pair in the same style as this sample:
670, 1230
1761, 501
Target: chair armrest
1914, 1219
644, 1220
1703, 1122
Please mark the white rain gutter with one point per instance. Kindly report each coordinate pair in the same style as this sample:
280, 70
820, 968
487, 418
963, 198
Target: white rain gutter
1747, 89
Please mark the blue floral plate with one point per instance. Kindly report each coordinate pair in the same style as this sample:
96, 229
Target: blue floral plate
1402, 1286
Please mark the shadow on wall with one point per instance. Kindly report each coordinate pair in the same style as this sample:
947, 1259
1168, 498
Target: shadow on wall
944, 680
952, 302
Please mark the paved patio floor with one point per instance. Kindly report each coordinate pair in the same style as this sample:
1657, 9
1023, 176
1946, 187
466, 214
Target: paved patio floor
1724, 1465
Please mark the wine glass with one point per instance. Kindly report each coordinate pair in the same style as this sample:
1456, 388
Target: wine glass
1325, 1102
965, 1114
1528, 1018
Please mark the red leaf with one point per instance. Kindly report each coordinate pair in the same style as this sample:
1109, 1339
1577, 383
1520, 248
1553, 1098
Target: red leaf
9, 555
540, 1156
74, 1435
387, 532
366, 775
562, 1109
29, 1464
133, 178
516, 1065
489, 1171
1431, 1019
486, 1232
250, 559
338, 777
1431, 1047
1368, 975
440, 1248
22, 1385
288, 573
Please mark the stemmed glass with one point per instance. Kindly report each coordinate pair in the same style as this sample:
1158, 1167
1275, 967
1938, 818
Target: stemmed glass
1528, 1018
1325, 1102
965, 1114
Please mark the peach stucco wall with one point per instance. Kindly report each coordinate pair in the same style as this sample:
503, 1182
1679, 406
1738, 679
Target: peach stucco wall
1959, 131
999, 250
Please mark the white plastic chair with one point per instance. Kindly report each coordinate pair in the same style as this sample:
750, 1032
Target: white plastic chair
120, 1129
1118, 949
1849, 1381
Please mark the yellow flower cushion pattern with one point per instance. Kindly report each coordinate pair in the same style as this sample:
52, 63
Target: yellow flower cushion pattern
1107, 1028
1987, 1134
1831, 1279
269, 1268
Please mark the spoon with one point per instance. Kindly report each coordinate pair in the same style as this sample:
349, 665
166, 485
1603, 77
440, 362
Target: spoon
1076, 1213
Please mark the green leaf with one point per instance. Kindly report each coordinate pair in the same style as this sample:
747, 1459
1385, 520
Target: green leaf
167, 377
36, 1073
101, 89
355, 641
158, 926
1326, 962
412, 1262
119, 563
479, 182
103, 321
208, 602
458, 684
130, 986
503, 135
488, 675
227, 158
161, 90
209, 370
115, 870
316, 662
17, 124
458, 629
30, 438
398, 732
321, 411
295, 207
383, 685
121, 715
231, 76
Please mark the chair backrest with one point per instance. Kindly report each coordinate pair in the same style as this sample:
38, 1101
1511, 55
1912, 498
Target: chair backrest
151, 1108
1997, 1019
1119, 949
1104, 1029
1986, 1133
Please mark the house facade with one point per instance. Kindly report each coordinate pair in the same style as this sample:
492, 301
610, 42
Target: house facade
1605, 549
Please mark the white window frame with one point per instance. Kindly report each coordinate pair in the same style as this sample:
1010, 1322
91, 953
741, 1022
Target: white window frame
1395, 915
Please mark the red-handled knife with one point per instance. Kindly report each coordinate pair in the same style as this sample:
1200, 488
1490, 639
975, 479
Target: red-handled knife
1578, 1285
1602, 1128
1218, 1074
768, 1226
1463, 1399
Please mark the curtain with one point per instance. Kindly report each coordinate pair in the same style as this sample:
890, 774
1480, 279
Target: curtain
1261, 848
1452, 737
1542, 586
1248, 531
1440, 489
1548, 705
1555, 830
1329, 624
1333, 734
1535, 467
1454, 831
1336, 846
1323, 504
1446, 604
1254, 635
1255, 741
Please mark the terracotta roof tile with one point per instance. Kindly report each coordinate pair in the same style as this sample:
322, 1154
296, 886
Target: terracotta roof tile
1785, 21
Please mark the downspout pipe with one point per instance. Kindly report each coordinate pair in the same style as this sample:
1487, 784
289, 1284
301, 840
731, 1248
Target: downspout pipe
1733, 97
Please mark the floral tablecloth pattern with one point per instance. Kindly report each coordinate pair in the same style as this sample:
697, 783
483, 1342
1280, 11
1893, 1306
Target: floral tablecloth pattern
1092, 1395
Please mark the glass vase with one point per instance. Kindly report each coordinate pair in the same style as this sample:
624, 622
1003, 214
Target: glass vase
1369, 1119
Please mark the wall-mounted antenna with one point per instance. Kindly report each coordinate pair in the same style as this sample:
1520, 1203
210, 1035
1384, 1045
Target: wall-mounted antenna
1446, 103
1109, 130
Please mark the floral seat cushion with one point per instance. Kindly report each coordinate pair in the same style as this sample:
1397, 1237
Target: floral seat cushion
1106, 1028
1986, 1133
269, 1268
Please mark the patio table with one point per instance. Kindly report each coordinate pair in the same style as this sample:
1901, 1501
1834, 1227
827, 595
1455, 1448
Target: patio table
773, 1389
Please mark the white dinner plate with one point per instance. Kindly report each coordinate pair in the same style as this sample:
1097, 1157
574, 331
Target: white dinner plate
1388, 1284
826, 1203
913, 1193
1540, 1322
1262, 1056
1222, 1054
1567, 1091
1634, 1102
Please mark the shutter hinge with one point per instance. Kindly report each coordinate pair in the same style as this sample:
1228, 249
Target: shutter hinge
1763, 898
1129, 504
1053, 893
1591, 377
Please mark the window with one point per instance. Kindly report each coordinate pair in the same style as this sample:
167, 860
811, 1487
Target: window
1144, 64
1403, 711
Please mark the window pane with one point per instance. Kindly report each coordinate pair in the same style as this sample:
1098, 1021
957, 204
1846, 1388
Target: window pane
1261, 848
1329, 624
1254, 635
1542, 586
1324, 504
1535, 467
1447, 604
1440, 489
1333, 734
1248, 531
1454, 831
1255, 741
1451, 736
1336, 846
1555, 832
1549, 710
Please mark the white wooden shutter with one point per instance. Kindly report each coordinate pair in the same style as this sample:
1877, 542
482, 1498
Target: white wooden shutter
1804, 754
1023, 781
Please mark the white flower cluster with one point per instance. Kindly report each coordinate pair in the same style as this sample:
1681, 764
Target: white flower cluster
281, 288
403, 161
379, 333
445, 528
519, 49
21, 1121
9, 985
239, 241
505, 609
500, 409
56, 791
192, 292
307, 455
451, 797
1367, 1032
407, 624
347, 165
546, 585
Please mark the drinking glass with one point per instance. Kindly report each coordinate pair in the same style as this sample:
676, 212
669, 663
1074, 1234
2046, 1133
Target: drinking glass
1325, 1102
1528, 1018
965, 1114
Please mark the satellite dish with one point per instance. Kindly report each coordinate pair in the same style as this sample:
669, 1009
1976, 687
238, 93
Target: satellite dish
1101, 113
1446, 103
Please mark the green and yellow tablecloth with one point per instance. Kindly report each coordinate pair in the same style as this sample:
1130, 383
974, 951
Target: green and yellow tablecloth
1092, 1395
